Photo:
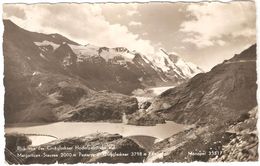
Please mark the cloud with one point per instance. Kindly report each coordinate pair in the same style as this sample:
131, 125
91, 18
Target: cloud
14, 11
212, 21
131, 12
135, 23
221, 42
83, 23
145, 34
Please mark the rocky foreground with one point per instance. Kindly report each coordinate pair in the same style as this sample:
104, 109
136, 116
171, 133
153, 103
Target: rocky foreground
244, 145
95, 148
228, 142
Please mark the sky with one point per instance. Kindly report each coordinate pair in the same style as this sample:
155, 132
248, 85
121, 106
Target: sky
202, 33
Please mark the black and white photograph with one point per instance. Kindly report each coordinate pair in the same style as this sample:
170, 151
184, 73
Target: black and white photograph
136, 82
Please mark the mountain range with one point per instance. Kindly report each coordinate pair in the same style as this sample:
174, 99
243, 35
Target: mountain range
50, 71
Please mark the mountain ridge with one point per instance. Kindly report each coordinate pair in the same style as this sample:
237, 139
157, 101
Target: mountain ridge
158, 68
43, 72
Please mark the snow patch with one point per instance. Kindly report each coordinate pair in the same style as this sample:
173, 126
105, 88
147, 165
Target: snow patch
158, 61
35, 73
87, 51
162, 61
46, 43
141, 79
145, 59
111, 54
84, 52
67, 61
163, 79
158, 90
43, 56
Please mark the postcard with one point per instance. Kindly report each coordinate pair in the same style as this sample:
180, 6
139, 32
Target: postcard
154, 82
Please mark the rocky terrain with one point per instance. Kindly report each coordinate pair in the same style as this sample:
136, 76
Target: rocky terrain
244, 144
236, 141
225, 92
102, 106
95, 148
48, 75
221, 104
142, 118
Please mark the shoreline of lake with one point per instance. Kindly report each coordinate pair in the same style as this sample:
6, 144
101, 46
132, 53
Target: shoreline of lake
63, 130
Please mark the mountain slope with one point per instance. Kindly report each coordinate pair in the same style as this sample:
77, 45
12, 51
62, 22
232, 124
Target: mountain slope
232, 142
222, 107
225, 92
40, 85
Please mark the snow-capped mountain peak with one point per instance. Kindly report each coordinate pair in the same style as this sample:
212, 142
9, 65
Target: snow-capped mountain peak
187, 69
170, 64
